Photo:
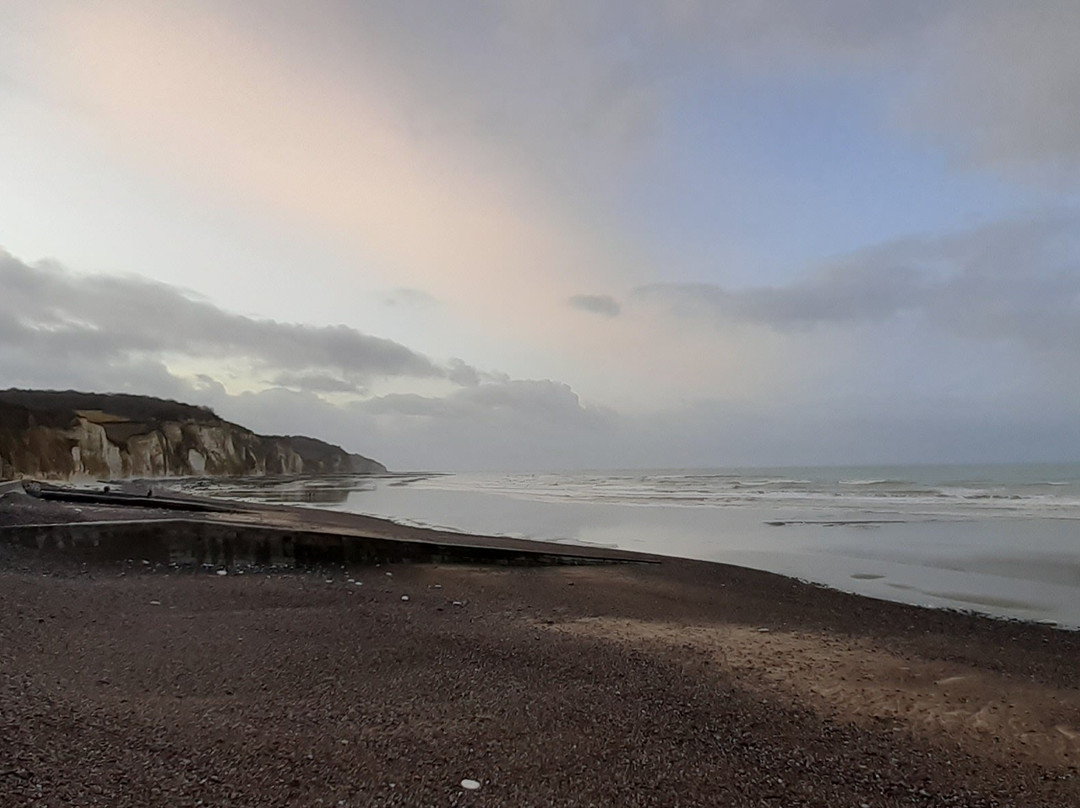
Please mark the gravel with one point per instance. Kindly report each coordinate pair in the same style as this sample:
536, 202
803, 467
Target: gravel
136, 686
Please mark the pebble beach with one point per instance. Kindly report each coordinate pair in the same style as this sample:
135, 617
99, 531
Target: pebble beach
678, 683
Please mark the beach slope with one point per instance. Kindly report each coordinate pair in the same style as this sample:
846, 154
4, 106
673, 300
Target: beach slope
679, 683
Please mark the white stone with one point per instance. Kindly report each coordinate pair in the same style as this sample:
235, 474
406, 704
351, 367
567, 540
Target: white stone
470, 785
404, 597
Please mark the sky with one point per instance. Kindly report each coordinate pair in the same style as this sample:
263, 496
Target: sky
554, 235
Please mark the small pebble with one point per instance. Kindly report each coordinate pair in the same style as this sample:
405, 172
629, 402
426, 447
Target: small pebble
222, 572
470, 785
155, 603
404, 597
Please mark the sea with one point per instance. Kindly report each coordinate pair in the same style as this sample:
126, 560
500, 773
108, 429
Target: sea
1002, 540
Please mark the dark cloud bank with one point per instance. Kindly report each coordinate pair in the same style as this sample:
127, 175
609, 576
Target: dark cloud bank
1013, 281
70, 322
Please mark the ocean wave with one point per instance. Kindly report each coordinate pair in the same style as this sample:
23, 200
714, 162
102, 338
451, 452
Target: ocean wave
874, 482
768, 483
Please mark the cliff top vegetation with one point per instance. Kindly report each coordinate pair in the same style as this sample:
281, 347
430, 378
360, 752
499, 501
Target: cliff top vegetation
65, 404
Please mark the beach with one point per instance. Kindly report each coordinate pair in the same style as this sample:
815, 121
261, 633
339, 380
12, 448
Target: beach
670, 683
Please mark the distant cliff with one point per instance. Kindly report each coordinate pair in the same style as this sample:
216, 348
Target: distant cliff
65, 435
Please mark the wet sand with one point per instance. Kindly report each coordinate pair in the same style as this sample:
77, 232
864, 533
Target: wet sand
679, 683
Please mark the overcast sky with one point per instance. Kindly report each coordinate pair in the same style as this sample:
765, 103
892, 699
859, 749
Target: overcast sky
527, 234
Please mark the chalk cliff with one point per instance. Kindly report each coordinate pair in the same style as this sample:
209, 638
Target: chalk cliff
66, 435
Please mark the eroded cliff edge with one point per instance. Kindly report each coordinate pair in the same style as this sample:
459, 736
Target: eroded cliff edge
67, 435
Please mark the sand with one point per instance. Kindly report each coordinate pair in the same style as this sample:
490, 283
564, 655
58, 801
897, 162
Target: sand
680, 683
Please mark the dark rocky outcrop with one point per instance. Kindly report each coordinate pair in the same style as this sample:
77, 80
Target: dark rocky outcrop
68, 435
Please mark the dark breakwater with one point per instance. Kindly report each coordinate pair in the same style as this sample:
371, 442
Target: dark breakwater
199, 542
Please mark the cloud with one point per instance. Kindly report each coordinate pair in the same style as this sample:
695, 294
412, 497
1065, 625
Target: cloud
60, 317
543, 425
1017, 281
597, 304
314, 382
464, 374
514, 424
959, 347
449, 152
509, 425
842, 294
997, 82
59, 329
409, 298
527, 403
993, 81
365, 126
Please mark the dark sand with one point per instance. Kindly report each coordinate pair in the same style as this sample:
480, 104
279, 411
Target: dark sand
613, 685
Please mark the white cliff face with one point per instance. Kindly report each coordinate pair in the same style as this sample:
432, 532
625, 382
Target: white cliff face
147, 455
98, 444
175, 449
196, 462
93, 453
